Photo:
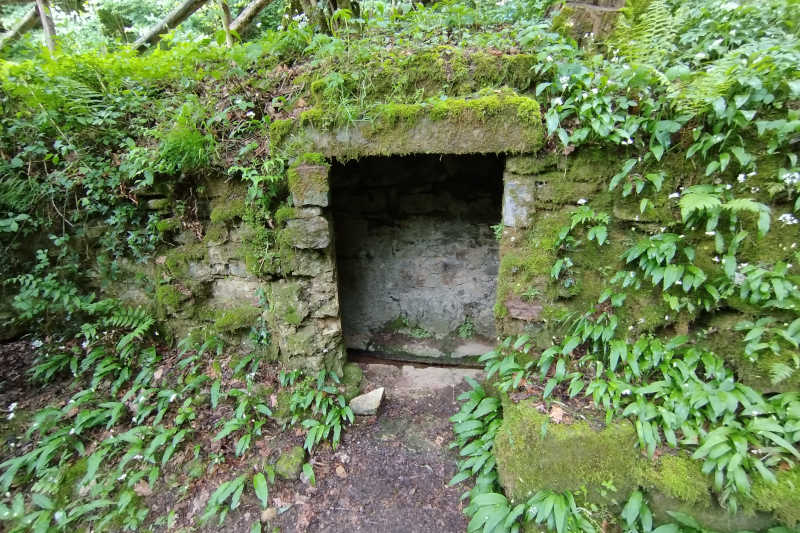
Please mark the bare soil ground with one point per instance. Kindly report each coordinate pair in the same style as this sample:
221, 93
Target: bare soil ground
389, 473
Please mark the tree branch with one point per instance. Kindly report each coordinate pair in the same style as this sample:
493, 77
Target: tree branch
248, 14
28, 22
178, 15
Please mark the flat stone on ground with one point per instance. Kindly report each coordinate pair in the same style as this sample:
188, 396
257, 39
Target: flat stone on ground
367, 404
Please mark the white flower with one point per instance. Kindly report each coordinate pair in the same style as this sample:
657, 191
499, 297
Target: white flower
557, 100
582, 201
788, 219
12, 406
674, 195
626, 392
563, 79
711, 233
37, 343
10, 416
549, 58
122, 477
741, 178
595, 90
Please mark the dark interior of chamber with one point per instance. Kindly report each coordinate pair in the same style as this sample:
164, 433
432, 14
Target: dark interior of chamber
416, 252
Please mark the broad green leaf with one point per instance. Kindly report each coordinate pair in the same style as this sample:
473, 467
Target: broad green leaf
262, 489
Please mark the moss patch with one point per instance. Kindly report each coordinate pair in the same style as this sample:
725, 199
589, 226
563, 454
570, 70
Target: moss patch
178, 259
227, 211
230, 320
783, 497
679, 477
533, 454
290, 463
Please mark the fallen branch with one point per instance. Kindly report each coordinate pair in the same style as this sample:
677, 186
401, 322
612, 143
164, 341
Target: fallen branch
248, 14
178, 15
27, 23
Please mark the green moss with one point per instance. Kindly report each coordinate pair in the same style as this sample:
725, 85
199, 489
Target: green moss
290, 463
230, 320
351, 380
564, 456
216, 232
488, 106
168, 297
679, 477
312, 117
394, 115
168, 225
279, 130
282, 410
283, 214
782, 498
177, 260
227, 212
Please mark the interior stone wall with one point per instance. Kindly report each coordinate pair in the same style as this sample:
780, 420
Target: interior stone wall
417, 257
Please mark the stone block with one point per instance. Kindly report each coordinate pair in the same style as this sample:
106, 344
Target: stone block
518, 200
309, 185
310, 233
584, 457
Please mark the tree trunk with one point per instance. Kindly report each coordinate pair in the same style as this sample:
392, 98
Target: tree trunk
226, 22
248, 14
178, 15
28, 22
47, 24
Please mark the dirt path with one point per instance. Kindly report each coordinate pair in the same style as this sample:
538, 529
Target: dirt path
390, 474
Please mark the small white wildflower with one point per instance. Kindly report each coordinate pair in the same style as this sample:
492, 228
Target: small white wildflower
626, 392
678, 282
728, 186
563, 79
788, 219
72, 431
715, 259
741, 178
595, 90
10, 416
711, 233
666, 317
37, 343
751, 174
557, 100
171, 398
549, 59
754, 189
122, 477
582, 201
674, 195
84, 344
12, 406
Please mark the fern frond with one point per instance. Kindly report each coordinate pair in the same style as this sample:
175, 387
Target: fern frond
699, 198
779, 372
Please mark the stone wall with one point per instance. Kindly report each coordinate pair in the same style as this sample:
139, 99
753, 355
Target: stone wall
416, 253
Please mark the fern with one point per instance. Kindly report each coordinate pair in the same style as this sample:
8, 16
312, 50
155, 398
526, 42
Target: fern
650, 39
779, 372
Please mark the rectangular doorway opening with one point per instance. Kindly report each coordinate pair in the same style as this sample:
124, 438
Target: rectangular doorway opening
417, 257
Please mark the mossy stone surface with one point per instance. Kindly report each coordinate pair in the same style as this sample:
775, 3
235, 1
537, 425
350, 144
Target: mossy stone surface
230, 320
580, 456
351, 380
564, 456
290, 463
782, 498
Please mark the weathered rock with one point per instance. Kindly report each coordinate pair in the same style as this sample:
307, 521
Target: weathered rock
518, 201
522, 310
351, 380
367, 404
314, 232
578, 457
290, 463
309, 185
